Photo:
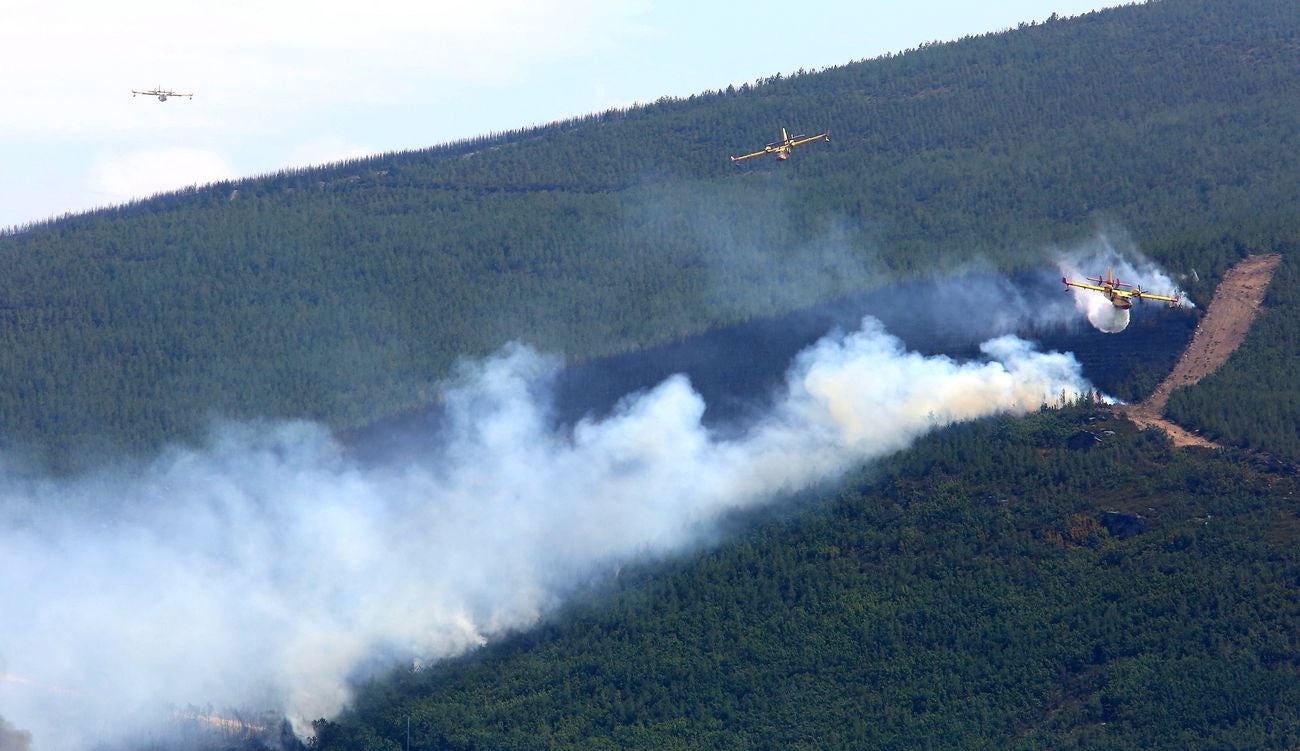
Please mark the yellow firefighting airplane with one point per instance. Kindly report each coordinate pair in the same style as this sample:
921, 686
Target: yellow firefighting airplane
162, 94
781, 149
1120, 294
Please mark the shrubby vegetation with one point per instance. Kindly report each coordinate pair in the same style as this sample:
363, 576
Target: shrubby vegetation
340, 293
968, 594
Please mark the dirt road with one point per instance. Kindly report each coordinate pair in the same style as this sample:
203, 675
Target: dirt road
1231, 312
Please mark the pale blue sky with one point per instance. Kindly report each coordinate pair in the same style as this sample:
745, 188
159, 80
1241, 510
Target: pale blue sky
282, 83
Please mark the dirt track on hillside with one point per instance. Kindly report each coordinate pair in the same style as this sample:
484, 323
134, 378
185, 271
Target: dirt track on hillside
1231, 312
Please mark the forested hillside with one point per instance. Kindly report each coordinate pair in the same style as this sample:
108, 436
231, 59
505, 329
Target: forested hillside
342, 293
1061, 580
990, 588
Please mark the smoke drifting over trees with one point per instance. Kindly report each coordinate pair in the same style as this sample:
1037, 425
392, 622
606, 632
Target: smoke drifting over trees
269, 567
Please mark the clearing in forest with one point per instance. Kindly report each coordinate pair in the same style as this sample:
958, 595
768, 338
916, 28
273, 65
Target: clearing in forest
1232, 310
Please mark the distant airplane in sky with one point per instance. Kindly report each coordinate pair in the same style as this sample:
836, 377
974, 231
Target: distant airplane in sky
162, 94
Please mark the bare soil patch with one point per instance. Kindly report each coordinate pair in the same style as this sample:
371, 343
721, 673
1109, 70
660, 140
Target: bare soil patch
1231, 312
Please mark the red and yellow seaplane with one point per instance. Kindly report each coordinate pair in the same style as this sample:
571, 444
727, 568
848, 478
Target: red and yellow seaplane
1120, 294
781, 149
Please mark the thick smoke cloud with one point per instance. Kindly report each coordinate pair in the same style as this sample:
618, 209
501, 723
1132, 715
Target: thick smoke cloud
267, 568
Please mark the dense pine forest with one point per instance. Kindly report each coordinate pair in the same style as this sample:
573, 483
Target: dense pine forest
990, 588
342, 293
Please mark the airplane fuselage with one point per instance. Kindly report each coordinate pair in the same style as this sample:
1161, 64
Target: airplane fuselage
1119, 301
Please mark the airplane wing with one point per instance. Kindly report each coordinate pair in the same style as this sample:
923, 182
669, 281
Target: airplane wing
1153, 296
747, 156
1082, 285
798, 141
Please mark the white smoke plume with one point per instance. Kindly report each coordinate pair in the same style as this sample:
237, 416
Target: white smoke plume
1128, 265
269, 567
